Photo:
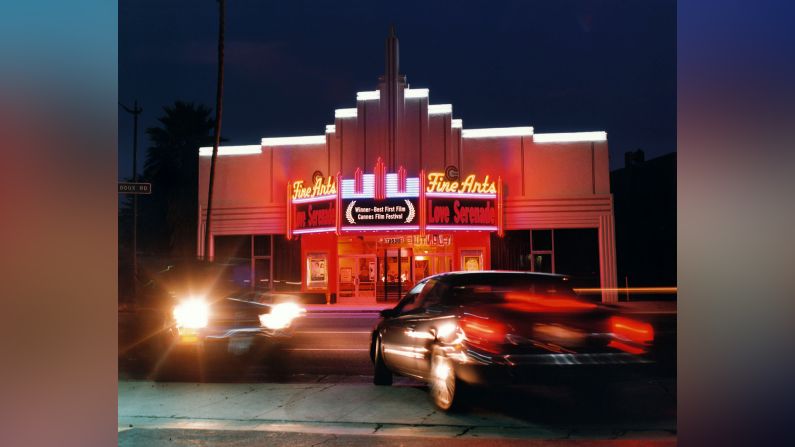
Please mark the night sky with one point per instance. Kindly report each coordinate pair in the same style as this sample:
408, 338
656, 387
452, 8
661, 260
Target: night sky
555, 65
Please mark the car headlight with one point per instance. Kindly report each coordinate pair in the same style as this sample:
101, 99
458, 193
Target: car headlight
281, 315
192, 313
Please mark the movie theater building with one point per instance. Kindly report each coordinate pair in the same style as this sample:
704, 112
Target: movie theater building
397, 189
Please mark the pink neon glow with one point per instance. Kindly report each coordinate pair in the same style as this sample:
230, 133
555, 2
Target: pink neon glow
314, 230
462, 227
461, 195
315, 199
383, 228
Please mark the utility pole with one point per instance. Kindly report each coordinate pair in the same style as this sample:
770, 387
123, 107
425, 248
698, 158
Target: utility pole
219, 100
135, 111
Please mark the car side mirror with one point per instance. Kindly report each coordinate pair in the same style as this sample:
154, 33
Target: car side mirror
388, 313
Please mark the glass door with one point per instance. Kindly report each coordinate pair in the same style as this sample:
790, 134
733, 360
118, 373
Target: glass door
357, 276
431, 264
365, 280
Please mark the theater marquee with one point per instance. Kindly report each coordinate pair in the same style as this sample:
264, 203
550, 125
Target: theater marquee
392, 202
473, 203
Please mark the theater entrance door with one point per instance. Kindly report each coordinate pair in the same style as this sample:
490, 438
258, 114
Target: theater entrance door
357, 276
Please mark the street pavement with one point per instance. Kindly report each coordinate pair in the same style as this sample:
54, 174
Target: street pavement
318, 388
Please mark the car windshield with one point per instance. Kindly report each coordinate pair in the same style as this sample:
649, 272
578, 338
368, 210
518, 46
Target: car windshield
506, 287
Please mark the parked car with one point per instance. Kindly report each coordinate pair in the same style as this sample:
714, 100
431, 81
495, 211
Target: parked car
483, 328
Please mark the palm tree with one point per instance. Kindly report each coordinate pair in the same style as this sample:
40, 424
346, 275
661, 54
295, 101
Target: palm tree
219, 100
168, 216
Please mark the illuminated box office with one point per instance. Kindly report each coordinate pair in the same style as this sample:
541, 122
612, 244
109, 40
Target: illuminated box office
396, 189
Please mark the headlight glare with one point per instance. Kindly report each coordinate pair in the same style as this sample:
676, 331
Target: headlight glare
281, 315
192, 313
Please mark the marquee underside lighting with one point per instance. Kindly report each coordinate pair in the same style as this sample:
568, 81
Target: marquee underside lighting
498, 132
430, 227
570, 137
314, 230
383, 228
294, 141
231, 150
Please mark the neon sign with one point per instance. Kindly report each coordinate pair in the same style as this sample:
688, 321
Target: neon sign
318, 189
438, 183
390, 202
461, 212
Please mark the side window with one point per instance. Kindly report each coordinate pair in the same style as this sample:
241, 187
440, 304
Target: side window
433, 294
413, 299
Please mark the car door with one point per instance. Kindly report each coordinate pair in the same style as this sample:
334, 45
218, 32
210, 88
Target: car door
396, 340
431, 316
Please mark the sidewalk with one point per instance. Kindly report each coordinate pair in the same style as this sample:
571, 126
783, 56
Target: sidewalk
364, 409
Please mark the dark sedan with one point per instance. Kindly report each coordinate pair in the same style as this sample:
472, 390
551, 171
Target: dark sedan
462, 328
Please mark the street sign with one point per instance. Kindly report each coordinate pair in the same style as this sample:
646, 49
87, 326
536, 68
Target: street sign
135, 188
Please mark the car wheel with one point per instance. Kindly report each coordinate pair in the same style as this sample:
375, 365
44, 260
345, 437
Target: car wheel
445, 388
381, 373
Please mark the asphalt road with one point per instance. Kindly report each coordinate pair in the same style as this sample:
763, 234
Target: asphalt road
318, 388
324, 344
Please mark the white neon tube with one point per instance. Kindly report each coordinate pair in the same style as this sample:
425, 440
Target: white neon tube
569, 137
434, 109
497, 132
368, 96
345, 113
231, 150
294, 141
415, 93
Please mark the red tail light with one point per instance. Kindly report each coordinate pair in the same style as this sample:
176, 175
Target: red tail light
632, 330
484, 333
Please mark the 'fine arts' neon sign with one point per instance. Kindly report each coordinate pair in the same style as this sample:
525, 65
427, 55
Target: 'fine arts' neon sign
437, 183
319, 189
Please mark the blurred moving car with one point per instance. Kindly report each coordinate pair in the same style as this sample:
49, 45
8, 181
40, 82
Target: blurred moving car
237, 321
491, 327
198, 307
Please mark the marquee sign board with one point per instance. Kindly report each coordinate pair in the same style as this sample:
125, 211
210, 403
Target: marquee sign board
315, 216
393, 212
466, 203
312, 208
388, 202
447, 211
